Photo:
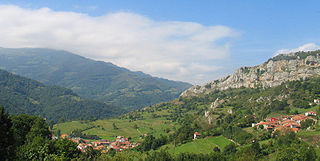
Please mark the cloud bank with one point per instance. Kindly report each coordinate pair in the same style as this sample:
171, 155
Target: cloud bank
305, 47
175, 50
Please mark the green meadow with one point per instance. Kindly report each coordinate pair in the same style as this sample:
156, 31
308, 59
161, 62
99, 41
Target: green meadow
204, 145
110, 128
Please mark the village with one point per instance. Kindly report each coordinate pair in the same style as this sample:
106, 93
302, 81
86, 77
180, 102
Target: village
121, 143
286, 123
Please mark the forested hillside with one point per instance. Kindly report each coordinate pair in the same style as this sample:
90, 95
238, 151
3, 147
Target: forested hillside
90, 79
22, 95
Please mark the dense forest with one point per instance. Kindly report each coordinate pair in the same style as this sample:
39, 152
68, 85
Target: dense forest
20, 95
90, 79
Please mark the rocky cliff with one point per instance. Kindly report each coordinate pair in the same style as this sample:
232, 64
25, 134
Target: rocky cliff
279, 69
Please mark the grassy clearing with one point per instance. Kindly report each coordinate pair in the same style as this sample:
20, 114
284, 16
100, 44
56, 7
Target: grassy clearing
204, 145
67, 127
127, 128
221, 141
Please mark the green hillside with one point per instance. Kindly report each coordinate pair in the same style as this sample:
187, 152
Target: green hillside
176, 121
22, 95
90, 79
134, 125
289, 98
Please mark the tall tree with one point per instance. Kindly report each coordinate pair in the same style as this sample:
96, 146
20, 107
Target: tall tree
5, 135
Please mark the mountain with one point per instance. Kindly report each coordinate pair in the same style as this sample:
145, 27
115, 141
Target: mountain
279, 69
91, 79
22, 95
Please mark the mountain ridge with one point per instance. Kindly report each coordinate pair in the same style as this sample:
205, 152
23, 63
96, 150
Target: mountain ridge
91, 79
279, 69
20, 95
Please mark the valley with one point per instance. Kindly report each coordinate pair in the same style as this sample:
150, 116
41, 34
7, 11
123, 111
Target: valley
221, 116
159, 80
257, 122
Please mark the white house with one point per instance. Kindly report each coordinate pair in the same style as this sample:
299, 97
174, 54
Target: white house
195, 135
310, 113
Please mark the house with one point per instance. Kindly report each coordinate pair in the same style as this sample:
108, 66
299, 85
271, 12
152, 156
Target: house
53, 137
292, 125
65, 136
267, 125
273, 119
316, 101
310, 113
76, 140
195, 135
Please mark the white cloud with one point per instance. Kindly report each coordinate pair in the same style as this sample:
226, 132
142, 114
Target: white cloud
171, 49
305, 47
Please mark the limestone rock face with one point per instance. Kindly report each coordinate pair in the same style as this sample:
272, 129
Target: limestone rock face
279, 69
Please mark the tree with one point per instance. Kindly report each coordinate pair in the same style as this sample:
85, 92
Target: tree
247, 154
114, 126
230, 149
58, 133
256, 147
21, 125
307, 123
39, 128
35, 149
135, 126
296, 152
67, 148
216, 149
159, 156
5, 135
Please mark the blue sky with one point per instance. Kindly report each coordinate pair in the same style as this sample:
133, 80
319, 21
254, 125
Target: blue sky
254, 30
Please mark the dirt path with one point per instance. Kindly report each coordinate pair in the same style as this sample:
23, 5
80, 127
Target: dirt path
234, 142
139, 131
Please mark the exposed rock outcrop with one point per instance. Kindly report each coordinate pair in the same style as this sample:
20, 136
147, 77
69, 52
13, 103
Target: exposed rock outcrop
279, 69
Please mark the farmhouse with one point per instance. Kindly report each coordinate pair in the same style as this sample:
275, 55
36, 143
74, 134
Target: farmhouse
195, 135
310, 113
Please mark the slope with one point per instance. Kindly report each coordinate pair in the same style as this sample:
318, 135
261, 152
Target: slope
21, 95
90, 79
279, 69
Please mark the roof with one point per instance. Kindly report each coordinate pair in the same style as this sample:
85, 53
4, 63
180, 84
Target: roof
287, 122
196, 133
311, 112
64, 135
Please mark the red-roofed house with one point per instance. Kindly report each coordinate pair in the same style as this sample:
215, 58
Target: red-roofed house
273, 119
65, 136
195, 135
310, 113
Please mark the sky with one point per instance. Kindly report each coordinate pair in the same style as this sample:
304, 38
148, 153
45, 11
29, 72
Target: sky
191, 41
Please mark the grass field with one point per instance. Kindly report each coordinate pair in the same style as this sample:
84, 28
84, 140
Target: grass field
67, 127
204, 145
124, 127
